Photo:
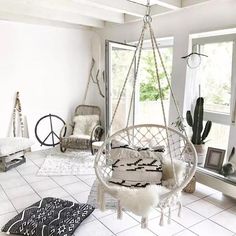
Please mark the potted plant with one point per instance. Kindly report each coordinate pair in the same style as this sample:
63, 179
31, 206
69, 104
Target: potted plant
199, 135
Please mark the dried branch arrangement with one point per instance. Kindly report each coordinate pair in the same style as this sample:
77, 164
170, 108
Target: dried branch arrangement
96, 80
17, 108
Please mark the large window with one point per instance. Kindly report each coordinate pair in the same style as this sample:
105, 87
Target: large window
119, 57
215, 76
148, 102
146, 107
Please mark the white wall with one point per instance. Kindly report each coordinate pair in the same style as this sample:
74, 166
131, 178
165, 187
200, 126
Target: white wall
48, 65
213, 15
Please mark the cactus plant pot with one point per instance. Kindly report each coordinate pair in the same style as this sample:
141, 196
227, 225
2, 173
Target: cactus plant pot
201, 152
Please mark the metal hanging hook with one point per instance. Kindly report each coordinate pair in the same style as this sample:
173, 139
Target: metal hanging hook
147, 18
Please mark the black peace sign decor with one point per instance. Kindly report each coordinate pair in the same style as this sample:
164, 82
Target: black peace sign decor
53, 137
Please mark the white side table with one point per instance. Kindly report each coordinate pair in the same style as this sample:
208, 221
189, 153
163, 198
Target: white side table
96, 146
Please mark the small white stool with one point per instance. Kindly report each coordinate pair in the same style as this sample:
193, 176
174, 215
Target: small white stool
96, 146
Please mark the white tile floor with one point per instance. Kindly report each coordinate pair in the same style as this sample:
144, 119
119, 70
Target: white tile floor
206, 212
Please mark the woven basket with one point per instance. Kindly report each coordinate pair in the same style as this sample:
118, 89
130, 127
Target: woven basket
190, 188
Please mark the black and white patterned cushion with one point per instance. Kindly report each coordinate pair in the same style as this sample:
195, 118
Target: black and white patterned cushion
50, 216
136, 167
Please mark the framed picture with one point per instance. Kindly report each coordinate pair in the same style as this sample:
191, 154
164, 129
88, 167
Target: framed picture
214, 158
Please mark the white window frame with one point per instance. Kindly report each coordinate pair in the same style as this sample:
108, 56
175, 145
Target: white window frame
217, 117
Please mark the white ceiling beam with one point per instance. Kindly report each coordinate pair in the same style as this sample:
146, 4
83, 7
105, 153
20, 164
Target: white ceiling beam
122, 6
187, 3
171, 4
82, 9
155, 10
25, 8
5, 16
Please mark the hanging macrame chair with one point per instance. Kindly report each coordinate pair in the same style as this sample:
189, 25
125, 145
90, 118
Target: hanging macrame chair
178, 148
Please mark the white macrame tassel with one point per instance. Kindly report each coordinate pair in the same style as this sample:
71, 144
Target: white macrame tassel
162, 218
169, 216
119, 210
144, 222
180, 209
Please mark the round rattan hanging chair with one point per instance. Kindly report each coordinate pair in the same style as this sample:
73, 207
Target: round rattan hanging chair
177, 148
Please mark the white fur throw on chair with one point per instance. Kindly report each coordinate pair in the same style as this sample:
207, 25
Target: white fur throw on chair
141, 201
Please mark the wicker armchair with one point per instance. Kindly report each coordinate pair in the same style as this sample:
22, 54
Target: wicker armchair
86, 129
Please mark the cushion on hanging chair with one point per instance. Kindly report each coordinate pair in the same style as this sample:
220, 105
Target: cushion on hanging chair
136, 168
168, 179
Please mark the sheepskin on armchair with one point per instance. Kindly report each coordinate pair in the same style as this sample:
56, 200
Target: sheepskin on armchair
86, 129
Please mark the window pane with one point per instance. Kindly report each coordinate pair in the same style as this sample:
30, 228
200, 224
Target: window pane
218, 136
120, 62
148, 105
215, 75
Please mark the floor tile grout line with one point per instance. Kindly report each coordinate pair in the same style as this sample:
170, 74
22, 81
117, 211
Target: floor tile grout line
50, 177
64, 189
6, 214
223, 209
176, 234
187, 227
9, 200
221, 225
134, 227
211, 202
206, 218
29, 184
104, 225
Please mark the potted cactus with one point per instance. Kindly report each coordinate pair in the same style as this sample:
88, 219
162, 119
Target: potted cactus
199, 135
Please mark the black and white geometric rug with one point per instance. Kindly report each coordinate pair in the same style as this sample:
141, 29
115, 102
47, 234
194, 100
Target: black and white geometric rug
50, 216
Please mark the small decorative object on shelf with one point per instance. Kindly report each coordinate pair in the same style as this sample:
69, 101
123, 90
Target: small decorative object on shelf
229, 168
214, 159
196, 122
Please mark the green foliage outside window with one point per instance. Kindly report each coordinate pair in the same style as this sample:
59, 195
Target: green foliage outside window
149, 89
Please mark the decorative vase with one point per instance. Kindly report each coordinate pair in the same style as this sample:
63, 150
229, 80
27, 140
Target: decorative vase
201, 152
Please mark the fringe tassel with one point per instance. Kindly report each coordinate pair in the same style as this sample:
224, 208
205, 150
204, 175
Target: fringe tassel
180, 209
144, 222
119, 210
169, 216
162, 218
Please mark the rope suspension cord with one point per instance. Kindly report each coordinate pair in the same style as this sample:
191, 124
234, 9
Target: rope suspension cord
147, 24
145, 19
136, 76
168, 81
162, 103
171, 89
125, 82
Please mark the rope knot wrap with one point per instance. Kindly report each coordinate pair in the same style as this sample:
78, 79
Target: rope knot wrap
147, 19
